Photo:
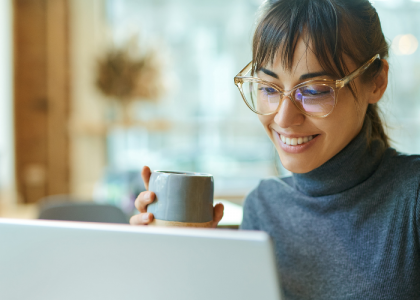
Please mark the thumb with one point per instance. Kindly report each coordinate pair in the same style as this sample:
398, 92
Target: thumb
145, 175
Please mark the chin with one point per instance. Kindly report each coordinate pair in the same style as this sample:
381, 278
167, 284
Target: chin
297, 166
298, 169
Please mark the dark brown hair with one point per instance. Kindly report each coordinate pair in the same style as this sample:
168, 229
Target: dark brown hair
334, 28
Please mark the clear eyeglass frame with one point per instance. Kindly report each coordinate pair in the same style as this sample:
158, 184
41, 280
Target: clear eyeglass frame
336, 85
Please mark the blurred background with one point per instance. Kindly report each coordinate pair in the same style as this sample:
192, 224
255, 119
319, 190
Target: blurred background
91, 91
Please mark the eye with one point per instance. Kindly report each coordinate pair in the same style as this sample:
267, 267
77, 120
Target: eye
268, 90
314, 91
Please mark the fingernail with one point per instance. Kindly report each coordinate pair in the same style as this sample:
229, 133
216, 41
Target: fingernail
146, 217
147, 196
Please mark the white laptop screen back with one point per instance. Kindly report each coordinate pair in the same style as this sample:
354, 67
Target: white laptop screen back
49, 260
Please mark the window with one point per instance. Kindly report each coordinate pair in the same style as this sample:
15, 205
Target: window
209, 129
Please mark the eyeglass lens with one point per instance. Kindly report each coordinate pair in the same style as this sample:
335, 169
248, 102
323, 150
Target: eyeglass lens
316, 99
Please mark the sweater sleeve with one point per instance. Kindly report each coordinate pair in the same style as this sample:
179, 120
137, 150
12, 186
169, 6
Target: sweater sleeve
250, 219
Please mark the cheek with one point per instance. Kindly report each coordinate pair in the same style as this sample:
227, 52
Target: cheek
344, 123
265, 121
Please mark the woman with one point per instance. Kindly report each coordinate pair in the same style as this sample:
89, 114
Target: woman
346, 223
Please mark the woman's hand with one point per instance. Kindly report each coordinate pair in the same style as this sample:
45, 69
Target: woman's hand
147, 197
143, 200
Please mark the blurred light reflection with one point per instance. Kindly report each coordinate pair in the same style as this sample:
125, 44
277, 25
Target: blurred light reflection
406, 44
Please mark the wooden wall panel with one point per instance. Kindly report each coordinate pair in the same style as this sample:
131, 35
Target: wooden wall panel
41, 97
30, 101
58, 96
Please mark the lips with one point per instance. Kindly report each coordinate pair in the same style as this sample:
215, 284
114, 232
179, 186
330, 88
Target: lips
291, 144
296, 141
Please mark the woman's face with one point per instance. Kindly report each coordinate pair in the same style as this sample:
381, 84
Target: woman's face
325, 136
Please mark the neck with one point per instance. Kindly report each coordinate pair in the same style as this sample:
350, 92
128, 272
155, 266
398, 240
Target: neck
350, 167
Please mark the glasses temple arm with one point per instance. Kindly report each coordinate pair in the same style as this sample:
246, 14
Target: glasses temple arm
245, 70
358, 72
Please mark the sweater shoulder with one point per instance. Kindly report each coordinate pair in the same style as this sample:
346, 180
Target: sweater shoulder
268, 188
260, 200
402, 158
400, 166
401, 171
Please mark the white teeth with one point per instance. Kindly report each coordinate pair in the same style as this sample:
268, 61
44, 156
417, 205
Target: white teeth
295, 141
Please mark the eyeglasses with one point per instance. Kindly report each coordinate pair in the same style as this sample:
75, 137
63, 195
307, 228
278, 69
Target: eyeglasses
314, 98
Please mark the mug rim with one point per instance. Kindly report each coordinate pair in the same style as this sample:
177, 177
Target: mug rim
183, 173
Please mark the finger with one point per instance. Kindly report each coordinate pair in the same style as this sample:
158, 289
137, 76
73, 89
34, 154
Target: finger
141, 219
143, 200
217, 214
145, 175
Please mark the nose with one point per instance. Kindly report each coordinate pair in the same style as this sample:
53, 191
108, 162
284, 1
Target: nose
288, 114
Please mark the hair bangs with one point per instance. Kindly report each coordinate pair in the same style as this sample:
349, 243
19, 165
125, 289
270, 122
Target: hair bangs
286, 22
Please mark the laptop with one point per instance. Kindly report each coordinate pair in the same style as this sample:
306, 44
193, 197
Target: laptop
61, 260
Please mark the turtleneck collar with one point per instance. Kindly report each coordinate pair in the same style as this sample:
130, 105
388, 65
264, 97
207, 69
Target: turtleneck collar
350, 167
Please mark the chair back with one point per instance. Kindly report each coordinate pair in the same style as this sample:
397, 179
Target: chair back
83, 211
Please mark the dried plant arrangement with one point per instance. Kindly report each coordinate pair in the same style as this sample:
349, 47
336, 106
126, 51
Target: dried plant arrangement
125, 73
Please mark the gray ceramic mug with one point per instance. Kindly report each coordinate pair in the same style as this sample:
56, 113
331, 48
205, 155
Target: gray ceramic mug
182, 199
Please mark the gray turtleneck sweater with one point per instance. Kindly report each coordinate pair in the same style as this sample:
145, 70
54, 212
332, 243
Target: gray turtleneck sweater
348, 229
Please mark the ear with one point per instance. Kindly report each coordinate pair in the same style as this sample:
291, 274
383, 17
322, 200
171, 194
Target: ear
380, 82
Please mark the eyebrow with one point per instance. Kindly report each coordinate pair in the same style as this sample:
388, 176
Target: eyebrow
312, 75
269, 73
302, 77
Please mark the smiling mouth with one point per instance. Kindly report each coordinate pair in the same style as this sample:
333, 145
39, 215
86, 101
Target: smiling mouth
297, 141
